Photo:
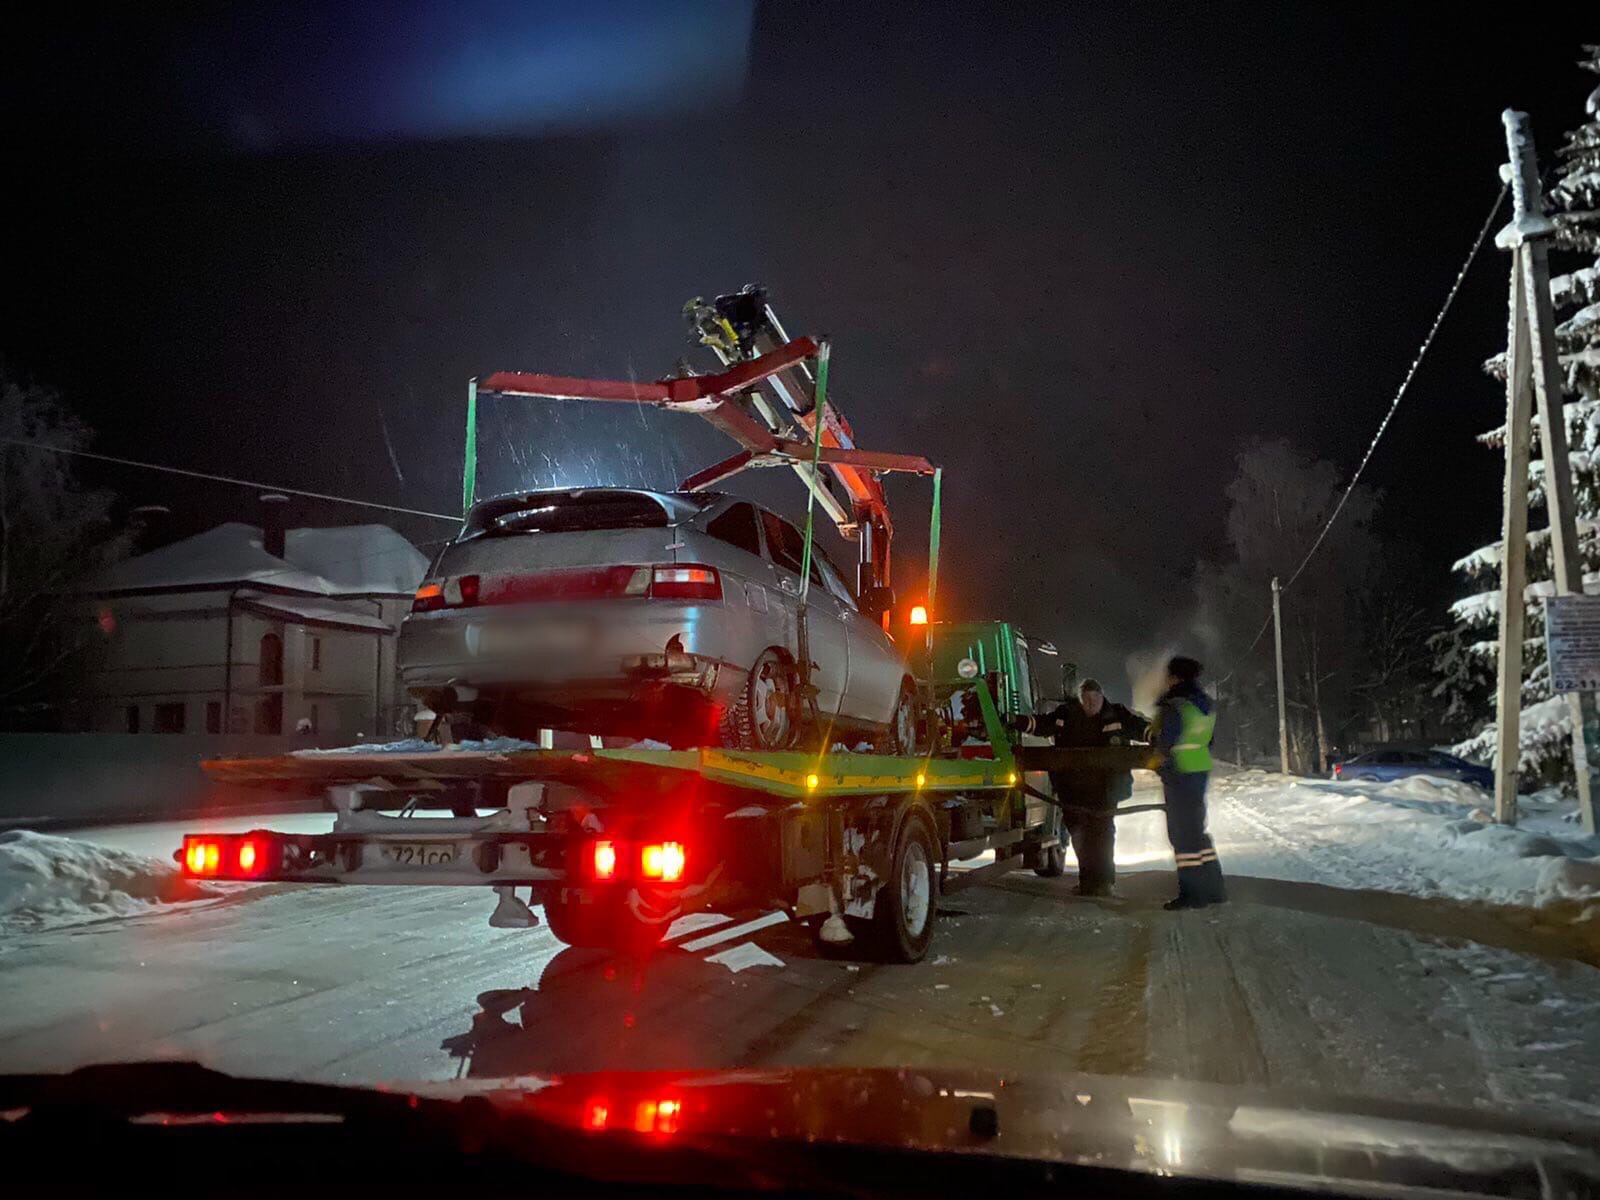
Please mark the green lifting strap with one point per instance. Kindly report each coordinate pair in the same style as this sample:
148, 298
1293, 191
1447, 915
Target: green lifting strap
933, 543
469, 464
820, 409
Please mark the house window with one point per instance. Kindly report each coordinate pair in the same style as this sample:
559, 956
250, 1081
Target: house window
169, 718
133, 718
316, 659
213, 716
271, 660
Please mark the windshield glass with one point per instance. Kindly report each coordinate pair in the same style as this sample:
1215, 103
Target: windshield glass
566, 513
411, 419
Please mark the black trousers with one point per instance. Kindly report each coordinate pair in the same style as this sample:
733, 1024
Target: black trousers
1199, 872
1091, 827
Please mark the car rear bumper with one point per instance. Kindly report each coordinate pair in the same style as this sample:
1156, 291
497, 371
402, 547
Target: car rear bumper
609, 657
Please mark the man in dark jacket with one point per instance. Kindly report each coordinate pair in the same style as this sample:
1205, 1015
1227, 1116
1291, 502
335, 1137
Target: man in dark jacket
1091, 794
1185, 721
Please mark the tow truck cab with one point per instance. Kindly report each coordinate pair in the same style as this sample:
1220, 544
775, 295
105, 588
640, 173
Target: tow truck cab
1025, 674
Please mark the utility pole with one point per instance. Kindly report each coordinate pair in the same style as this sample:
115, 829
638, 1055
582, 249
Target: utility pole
1283, 710
1532, 367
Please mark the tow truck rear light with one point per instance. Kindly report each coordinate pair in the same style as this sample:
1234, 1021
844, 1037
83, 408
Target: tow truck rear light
217, 856
919, 615
605, 860
662, 861
687, 582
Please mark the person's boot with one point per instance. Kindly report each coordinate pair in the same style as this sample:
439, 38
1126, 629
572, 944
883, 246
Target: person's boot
1096, 891
1179, 903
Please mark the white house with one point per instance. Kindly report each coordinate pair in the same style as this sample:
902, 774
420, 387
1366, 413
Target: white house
235, 631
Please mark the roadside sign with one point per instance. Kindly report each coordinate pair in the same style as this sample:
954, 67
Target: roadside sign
1572, 639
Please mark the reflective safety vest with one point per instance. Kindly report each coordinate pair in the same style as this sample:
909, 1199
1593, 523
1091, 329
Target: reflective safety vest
1191, 753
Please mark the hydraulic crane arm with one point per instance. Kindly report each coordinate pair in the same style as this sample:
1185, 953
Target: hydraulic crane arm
766, 402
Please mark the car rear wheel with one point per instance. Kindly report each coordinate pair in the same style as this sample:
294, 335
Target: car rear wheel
762, 716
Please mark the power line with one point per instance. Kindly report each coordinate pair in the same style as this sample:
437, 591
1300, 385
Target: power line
1404, 383
1383, 425
249, 483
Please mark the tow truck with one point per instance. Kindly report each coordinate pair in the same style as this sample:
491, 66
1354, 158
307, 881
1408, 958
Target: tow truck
617, 842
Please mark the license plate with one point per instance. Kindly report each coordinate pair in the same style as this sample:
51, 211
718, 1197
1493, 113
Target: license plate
552, 638
419, 854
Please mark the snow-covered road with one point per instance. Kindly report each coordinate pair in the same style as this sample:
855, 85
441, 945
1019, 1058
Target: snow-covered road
1333, 971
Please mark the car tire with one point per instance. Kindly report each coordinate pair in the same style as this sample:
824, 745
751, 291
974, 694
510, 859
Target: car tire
900, 737
902, 920
764, 715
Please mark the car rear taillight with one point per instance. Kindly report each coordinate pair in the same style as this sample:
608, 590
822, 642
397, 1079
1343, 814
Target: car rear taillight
662, 861
686, 582
218, 856
1338, 770
604, 860
665, 582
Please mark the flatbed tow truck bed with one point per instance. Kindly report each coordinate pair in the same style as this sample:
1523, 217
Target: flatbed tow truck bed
616, 844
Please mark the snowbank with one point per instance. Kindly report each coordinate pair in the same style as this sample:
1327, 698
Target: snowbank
48, 881
1422, 836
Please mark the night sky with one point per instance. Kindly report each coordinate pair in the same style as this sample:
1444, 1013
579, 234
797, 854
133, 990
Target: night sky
1078, 254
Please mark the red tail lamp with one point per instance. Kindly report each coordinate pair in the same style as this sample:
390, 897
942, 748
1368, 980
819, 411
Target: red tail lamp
605, 860
215, 856
919, 614
663, 861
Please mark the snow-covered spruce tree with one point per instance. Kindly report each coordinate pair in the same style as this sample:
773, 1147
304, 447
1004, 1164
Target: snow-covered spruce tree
1574, 202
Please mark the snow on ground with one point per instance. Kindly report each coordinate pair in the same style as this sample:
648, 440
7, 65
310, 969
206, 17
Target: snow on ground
48, 881
1421, 836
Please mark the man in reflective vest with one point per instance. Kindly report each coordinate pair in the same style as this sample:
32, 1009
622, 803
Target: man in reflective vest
1185, 721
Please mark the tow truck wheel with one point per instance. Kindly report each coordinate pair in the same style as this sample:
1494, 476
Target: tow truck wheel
603, 922
1054, 865
577, 923
902, 920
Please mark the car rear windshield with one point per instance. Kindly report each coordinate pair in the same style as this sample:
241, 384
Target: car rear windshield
569, 512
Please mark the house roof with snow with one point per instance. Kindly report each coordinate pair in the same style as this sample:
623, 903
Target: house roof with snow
354, 560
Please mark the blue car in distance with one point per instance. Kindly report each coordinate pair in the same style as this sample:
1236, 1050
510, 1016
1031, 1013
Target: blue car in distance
1383, 766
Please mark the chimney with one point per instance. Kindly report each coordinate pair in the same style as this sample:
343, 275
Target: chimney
273, 512
146, 524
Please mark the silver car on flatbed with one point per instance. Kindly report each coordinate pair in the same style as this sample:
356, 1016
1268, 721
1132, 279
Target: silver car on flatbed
667, 615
